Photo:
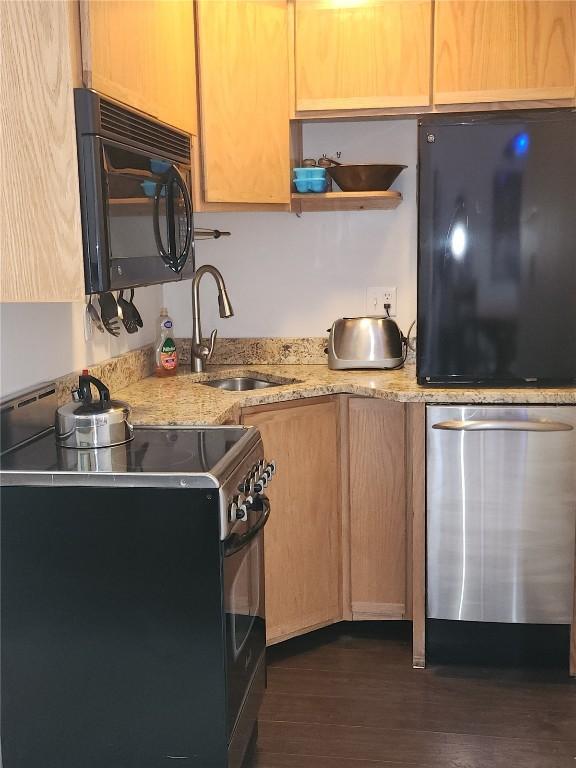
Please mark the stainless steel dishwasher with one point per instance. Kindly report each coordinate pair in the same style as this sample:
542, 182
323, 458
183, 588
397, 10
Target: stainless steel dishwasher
501, 513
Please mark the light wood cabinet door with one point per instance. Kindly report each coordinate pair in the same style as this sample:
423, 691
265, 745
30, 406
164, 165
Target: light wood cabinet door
509, 50
302, 538
377, 525
244, 106
176, 79
141, 53
40, 232
367, 54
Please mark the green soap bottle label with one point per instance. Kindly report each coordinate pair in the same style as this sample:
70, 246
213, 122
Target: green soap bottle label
168, 355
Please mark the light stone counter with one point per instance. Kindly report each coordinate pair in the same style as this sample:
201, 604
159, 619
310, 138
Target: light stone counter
182, 399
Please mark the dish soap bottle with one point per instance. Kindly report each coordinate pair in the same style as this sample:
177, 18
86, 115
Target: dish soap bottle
166, 354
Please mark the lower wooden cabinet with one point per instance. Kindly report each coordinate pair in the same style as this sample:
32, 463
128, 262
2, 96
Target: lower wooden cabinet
303, 536
377, 509
339, 541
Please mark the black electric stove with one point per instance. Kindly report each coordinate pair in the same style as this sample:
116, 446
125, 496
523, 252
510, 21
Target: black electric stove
153, 451
132, 625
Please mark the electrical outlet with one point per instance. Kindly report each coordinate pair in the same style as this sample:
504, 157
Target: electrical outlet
377, 297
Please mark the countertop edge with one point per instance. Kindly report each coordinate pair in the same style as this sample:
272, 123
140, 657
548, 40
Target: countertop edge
184, 399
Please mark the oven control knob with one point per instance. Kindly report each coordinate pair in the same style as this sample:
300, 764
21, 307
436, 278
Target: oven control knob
232, 511
235, 511
236, 506
238, 509
269, 471
247, 485
254, 485
243, 509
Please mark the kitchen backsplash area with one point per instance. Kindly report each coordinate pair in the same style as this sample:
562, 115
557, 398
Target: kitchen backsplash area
116, 372
290, 276
262, 351
266, 351
45, 342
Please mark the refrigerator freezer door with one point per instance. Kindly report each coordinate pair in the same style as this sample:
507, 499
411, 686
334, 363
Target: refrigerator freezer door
497, 273
501, 513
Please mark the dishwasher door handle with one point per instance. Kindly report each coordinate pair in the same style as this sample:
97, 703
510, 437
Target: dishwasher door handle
506, 425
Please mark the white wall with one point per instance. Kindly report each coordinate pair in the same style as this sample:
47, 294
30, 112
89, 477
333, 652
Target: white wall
290, 276
40, 342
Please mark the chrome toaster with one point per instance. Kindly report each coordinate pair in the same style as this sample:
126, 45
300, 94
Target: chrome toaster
365, 342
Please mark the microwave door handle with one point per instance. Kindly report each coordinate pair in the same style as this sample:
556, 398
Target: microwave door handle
182, 257
156, 225
173, 261
234, 543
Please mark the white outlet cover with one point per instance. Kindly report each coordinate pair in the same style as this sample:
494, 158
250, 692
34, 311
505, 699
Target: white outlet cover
377, 296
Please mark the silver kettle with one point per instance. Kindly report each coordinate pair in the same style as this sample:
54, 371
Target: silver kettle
88, 423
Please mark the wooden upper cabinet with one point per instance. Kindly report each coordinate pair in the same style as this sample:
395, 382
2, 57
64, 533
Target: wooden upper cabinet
504, 51
141, 53
40, 233
244, 103
362, 54
177, 76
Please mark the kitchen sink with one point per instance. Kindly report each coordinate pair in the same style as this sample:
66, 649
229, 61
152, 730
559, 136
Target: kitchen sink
244, 383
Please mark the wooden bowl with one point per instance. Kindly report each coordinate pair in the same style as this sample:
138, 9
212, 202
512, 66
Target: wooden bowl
369, 177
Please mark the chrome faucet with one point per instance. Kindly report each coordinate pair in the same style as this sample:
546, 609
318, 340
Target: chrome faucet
200, 353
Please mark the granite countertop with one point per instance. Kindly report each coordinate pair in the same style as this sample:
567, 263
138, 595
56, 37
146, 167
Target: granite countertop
183, 399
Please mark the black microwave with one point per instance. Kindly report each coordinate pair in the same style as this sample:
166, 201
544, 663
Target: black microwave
135, 180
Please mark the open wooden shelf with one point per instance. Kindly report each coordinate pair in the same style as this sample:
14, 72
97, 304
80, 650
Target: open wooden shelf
346, 201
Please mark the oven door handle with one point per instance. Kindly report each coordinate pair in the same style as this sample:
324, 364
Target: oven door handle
234, 543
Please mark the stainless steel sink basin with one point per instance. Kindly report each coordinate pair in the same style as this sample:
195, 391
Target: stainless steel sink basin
243, 383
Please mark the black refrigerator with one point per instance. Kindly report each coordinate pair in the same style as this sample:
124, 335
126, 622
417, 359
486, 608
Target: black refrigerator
497, 249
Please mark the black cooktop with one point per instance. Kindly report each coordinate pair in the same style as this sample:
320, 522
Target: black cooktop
153, 450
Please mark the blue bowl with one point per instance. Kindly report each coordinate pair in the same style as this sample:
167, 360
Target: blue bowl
318, 185
311, 185
310, 173
301, 185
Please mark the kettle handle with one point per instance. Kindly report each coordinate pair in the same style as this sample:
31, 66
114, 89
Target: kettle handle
84, 382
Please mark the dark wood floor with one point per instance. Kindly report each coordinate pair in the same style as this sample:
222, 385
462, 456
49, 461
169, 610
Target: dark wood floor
347, 697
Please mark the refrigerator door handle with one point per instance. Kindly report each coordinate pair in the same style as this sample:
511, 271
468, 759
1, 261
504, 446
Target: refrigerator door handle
507, 425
